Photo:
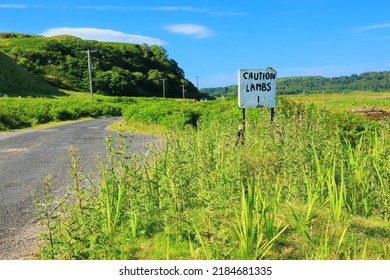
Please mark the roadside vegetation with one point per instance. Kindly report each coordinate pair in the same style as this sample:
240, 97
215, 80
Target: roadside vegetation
17, 113
313, 184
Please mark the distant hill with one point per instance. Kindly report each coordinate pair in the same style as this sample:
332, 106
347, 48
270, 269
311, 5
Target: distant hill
120, 69
16, 81
369, 81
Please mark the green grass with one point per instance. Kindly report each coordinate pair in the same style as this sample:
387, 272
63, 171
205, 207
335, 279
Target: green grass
346, 101
313, 185
138, 127
15, 81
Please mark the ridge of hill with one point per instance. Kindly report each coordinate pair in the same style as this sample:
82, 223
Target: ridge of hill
118, 69
17, 81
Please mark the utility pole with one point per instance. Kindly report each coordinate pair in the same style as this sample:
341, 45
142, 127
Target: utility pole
184, 91
163, 80
88, 52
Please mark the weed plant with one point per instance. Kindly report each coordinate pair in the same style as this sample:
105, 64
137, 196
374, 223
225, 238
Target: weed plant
310, 185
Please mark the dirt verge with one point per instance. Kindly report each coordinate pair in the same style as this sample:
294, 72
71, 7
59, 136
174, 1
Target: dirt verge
371, 112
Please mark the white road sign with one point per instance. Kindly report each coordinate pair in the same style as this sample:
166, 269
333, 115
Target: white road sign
256, 88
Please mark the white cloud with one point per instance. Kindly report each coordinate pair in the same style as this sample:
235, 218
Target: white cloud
104, 35
194, 30
12, 6
163, 9
141, 8
373, 32
373, 27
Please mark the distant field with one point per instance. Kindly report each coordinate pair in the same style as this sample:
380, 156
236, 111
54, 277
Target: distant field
346, 101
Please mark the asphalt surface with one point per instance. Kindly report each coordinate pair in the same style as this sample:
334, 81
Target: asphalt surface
27, 158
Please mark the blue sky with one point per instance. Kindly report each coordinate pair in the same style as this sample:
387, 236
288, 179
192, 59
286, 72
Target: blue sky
211, 40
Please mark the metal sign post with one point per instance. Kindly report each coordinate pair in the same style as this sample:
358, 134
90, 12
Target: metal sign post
241, 129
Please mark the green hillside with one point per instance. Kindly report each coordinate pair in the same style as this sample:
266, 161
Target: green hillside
16, 81
119, 69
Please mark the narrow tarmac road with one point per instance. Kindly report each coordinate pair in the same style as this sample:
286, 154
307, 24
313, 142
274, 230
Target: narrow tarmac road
28, 157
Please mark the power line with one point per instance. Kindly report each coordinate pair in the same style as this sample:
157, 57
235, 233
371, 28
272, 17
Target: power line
88, 52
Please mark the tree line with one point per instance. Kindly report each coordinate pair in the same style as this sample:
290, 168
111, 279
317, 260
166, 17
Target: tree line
368, 81
119, 69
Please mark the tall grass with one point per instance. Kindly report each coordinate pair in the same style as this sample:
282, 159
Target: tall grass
307, 186
257, 224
